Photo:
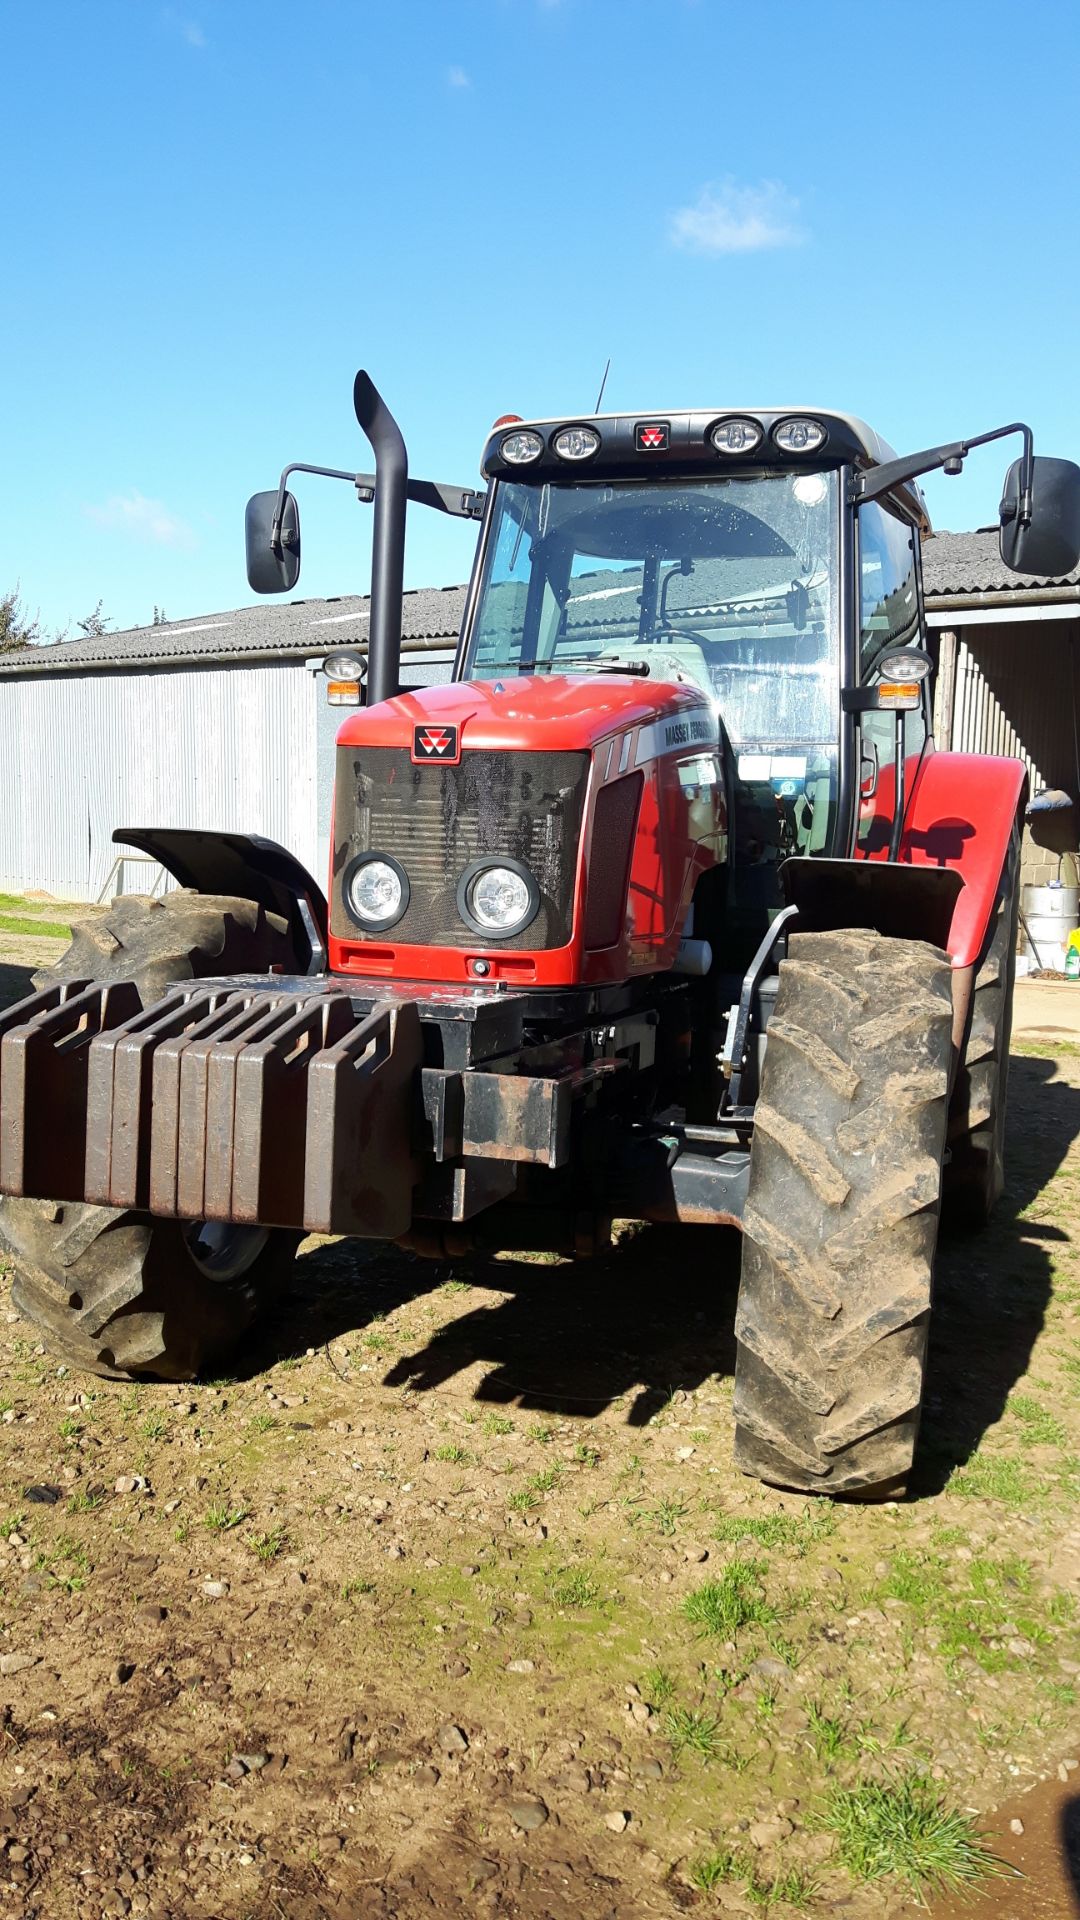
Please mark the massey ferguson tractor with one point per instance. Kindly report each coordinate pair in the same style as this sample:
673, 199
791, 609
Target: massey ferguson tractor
664, 908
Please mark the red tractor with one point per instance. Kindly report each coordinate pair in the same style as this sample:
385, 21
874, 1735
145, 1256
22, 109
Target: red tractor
665, 907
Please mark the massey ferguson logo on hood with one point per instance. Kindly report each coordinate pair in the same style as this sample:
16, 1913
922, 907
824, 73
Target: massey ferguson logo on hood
435, 743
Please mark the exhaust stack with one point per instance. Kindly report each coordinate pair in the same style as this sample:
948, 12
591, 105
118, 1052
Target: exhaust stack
388, 537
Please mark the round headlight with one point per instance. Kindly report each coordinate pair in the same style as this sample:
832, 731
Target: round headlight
736, 436
376, 891
521, 448
906, 663
799, 436
498, 897
346, 664
576, 443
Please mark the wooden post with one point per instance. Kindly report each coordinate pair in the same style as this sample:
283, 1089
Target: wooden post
945, 690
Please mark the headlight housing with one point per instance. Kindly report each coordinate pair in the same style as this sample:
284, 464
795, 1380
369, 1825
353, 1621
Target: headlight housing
375, 890
799, 435
497, 898
736, 436
576, 443
520, 449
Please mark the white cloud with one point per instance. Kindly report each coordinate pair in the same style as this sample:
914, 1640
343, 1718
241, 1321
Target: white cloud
149, 521
457, 77
728, 218
188, 29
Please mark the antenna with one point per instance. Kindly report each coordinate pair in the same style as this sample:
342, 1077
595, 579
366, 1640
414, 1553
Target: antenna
603, 384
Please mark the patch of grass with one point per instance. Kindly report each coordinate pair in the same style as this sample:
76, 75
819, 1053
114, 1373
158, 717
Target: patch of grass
457, 1456
721, 1607
657, 1687
69, 1427
86, 1500
799, 1531
267, 1546
351, 1587
222, 1519
828, 1735
155, 1427
262, 1423
990, 1476
666, 1515
497, 1423
574, 1588
794, 1888
713, 1869
15, 1523
22, 923
692, 1730
587, 1456
1041, 1429
904, 1827
523, 1501
454, 1286
546, 1480
540, 1433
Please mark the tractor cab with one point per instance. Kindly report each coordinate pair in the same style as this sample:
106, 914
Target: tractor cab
726, 552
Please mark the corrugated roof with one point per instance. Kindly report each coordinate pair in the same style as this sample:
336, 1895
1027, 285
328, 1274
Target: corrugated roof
954, 564
962, 563
271, 629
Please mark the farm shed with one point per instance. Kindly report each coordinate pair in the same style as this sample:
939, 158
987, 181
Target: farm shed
1007, 677
217, 722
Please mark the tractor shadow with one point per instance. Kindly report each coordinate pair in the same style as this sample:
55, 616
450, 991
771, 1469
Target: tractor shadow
992, 1288
656, 1315
15, 984
653, 1317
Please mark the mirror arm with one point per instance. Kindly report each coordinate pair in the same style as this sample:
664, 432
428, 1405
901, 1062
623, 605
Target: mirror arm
878, 480
465, 503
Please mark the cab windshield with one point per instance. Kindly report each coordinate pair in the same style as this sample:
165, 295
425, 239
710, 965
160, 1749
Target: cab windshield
729, 582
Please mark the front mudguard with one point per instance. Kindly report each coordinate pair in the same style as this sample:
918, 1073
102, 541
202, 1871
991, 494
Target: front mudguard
250, 868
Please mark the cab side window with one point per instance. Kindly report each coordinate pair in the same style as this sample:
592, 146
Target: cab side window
888, 618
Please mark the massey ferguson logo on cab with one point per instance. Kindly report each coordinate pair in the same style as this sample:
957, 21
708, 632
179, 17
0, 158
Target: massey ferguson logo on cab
435, 743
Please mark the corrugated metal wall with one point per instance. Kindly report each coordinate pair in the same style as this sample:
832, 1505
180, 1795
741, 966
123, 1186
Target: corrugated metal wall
214, 746
991, 687
1015, 691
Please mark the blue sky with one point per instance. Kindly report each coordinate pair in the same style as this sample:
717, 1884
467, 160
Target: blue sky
216, 210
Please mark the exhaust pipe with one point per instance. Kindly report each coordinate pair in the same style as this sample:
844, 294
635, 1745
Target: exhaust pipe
388, 538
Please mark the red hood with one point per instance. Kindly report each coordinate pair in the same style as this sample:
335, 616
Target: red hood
554, 712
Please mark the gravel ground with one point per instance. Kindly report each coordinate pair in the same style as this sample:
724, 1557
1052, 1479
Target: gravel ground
450, 1601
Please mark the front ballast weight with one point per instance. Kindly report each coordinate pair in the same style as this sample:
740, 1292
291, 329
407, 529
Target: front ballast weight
219, 1102
283, 1102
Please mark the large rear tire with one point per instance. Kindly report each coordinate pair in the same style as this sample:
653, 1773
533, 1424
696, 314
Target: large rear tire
975, 1169
114, 1292
842, 1215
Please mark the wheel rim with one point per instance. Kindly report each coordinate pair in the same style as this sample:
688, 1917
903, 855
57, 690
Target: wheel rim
221, 1250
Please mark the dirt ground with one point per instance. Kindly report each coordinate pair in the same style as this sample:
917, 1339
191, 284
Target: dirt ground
451, 1601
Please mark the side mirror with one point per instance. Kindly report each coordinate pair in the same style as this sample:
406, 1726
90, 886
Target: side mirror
1050, 543
273, 556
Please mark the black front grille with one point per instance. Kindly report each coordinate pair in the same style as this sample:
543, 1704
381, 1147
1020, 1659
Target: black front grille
434, 820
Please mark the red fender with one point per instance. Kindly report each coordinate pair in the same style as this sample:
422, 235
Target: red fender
961, 814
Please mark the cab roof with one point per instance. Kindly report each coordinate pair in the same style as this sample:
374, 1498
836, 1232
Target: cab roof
678, 443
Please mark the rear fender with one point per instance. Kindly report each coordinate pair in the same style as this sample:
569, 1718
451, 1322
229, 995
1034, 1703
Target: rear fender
248, 867
956, 844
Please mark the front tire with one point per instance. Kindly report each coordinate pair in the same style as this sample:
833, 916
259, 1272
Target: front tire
842, 1215
118, 1293
127, 1297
